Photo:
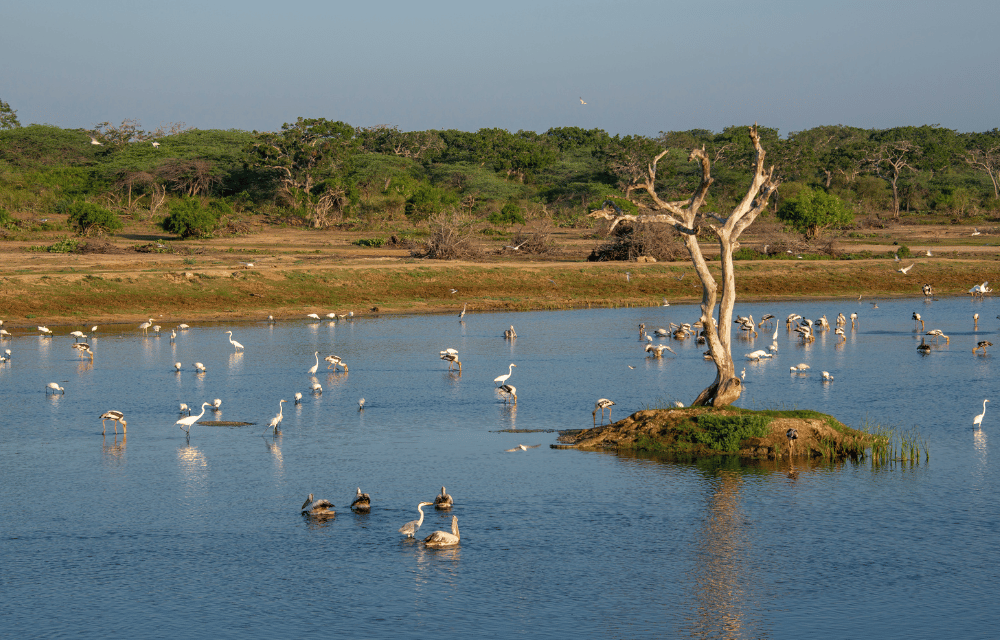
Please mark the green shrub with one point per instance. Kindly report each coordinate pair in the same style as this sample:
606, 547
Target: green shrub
725, 433
369, 242
510, 214
89, 218
188, 218
7, 220
66, 245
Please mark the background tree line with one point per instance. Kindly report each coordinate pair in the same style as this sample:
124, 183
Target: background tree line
319, 172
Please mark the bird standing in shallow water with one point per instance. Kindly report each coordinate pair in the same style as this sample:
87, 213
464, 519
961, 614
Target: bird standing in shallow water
117, 416
982, 345
503, 378
602, 404
190, 420
978, 420
410, 528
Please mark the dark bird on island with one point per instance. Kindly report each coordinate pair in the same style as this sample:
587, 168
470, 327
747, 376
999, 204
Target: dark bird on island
443, 500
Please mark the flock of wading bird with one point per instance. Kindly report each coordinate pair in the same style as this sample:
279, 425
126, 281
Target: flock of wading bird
313, 508
806, 330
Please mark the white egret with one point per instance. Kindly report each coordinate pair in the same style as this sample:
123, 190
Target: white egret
315, 367
117, 416
827, 377
183, 327
443, 500
443, 538
190, 420
410, 528
978, 420
233, 342
54, 387
276, 420
503, 378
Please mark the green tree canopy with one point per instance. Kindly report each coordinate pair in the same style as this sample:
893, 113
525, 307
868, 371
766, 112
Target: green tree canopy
8, 117
813, 209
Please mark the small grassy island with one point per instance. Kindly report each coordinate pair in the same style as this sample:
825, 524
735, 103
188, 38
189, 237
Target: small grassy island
709, 431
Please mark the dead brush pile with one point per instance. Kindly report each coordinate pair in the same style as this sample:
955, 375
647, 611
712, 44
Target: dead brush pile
452, 238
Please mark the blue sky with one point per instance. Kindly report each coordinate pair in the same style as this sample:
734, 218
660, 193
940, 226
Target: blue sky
642, 66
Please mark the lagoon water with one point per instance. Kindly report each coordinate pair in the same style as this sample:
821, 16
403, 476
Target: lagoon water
163, 536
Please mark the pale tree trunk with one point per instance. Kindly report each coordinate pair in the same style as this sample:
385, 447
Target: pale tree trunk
685, 216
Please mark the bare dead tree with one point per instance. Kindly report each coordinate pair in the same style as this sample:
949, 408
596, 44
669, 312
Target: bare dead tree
190, 177
893, 155
989, 161
157, 198
685, 216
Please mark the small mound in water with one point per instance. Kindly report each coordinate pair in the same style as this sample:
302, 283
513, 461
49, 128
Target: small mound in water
225, 423
708, 431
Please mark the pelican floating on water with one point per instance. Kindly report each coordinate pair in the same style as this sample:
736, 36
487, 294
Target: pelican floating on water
443, 538
443, 500
317, 508
362, 502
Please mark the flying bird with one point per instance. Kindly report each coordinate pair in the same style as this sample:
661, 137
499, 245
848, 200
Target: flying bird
905, 270
581, 100
93, 140
522, 447
156, 145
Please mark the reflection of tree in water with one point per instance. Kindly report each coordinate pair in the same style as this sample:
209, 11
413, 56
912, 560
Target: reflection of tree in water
724, 574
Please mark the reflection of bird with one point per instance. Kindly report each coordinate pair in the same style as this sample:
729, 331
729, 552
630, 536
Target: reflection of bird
522, 447
443, 538
313, 368
233, 342
54, 387
190, 420
276, 420
117, 416
462, 315
510, 391
362, 502
978, 420
443, 500
318, 508
602, 404
503, 378
975, 322
410, 528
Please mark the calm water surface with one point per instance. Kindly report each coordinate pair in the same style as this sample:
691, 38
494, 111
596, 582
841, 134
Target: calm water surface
163, 536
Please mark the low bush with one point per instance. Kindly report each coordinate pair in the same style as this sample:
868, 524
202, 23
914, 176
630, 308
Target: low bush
89, 218
188, 218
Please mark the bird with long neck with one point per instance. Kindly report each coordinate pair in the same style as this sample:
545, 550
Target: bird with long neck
978, 420
276, 420
190, 420
410, 528
503, 378
443, 538
315, 367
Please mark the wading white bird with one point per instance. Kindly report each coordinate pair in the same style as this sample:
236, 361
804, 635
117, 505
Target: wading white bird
77, 335
982, 345
53, 387
314, 316
233, 342
216, 404
190, 420
298, 397
362, 502
315, 367
503, 378
978, 420
410, 528
117, 416
316, 387
443, 538
183, 327
199, 367
361, 404
451, 357
146, 325
276, 420
443, 500
827, 376
185, 409
602, 404
321, 508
